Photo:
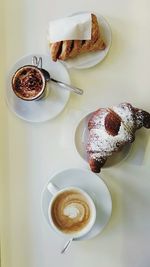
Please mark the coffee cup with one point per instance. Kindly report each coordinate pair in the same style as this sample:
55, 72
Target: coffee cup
29, 82
71, 211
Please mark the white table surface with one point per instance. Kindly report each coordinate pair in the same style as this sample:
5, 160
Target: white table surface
30, 153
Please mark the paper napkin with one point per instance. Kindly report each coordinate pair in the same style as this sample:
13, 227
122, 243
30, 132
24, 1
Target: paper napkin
76, 27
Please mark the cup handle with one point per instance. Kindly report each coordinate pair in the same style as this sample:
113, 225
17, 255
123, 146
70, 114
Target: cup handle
52, 188
37, 62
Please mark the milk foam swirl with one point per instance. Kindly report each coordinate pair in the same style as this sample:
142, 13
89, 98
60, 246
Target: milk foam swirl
70, 211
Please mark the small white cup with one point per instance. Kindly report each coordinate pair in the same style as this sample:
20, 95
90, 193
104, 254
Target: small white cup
55, 191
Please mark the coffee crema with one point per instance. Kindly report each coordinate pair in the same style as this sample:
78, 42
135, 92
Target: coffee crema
27, 82
70, 211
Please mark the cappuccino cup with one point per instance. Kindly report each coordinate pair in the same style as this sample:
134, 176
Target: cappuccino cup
71, 211
29, 82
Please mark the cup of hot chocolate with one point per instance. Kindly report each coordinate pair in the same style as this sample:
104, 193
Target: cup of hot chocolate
29, 81
71, 211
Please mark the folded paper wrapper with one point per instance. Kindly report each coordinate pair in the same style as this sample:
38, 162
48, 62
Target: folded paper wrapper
77, 27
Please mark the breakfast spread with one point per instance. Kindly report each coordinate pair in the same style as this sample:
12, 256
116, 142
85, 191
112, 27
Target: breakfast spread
112, 128
109, 129
28, 83
66, 49
70, 211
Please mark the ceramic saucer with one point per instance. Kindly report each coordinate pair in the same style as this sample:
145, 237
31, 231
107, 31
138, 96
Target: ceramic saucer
93, 185
49, 106
81, 139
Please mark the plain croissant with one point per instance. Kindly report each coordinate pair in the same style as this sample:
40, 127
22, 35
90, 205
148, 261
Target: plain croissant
112, 128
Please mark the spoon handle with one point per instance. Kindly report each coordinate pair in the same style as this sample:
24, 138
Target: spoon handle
67, 245
69, 87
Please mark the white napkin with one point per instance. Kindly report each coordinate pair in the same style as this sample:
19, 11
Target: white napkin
77, 27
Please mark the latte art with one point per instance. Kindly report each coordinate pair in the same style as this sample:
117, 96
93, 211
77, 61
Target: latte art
70, 211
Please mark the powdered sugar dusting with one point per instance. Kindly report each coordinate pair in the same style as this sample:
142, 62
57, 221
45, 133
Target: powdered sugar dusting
98, 118
139, 118
100, 143
126, 113
104, 144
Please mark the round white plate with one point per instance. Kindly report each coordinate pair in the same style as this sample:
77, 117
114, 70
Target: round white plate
93, 185
49, 106
88, 60
81, 139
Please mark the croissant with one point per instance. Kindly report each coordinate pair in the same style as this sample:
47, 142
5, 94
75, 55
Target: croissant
112, 128
71, 48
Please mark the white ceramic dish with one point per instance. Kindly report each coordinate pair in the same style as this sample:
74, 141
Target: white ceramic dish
88, 60
49, 106
81, 139
90, 183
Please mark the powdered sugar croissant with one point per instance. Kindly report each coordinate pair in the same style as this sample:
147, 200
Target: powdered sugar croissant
66, 49
112, 128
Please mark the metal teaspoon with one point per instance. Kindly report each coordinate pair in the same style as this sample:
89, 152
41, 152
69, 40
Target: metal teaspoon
62, 84
67, 245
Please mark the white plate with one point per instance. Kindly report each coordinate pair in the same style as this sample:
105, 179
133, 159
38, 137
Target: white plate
88, 60
81, 139
93, 185
47, 107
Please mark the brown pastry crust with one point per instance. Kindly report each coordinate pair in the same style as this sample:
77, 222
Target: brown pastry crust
112, 123
96, 164
55, 50
75, 50
66, 48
